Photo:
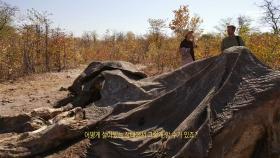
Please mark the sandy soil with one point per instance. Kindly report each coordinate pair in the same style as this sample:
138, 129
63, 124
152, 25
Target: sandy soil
34, 91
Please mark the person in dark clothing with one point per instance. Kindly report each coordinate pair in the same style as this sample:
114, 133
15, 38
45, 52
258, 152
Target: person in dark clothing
187, 48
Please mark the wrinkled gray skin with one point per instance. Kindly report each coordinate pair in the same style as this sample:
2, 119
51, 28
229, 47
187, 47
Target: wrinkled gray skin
219, 98
231, 101
109, 76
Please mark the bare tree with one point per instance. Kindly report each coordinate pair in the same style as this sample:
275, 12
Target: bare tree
156, 38
94, 36
156, 30
86, 39
221, 28
244, 23
156, 25
41, 19
271, 15
6, 14
28, 63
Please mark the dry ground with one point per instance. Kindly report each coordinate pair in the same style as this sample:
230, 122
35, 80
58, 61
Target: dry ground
34, 91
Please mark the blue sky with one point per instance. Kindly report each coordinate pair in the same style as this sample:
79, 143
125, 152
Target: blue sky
132, 15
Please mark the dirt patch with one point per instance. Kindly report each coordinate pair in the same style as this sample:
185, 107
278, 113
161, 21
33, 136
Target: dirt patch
34, 91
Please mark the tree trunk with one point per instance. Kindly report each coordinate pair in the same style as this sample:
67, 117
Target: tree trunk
47, 58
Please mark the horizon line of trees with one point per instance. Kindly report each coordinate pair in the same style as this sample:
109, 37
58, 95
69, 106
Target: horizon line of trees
35, 46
